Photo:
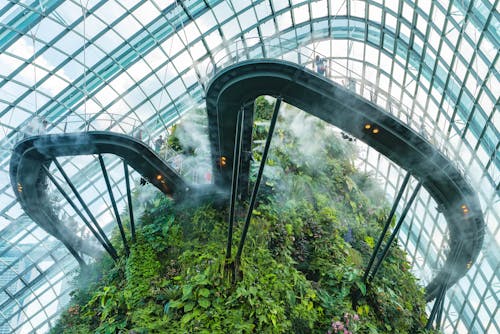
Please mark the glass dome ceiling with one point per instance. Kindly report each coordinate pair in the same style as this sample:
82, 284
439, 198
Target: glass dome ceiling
434, 64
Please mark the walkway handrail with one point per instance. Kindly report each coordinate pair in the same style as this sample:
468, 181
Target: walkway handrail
277, 48
29, 175
78, 123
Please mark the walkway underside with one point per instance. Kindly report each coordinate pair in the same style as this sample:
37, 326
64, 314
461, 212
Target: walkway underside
237, 86
29, 180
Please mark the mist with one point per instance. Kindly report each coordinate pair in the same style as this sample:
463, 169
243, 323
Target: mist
193, 161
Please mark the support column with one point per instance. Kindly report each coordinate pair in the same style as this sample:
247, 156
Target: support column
386, 226
437, 308
234, 181
101, 236
111, 252
258, 180
396, 230
75, 254
129, 198
113, 202
246, 151
440, 311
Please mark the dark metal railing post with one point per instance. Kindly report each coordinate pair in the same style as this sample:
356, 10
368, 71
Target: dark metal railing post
259, 178
396, 230
234, 181
111, 251
113, 203
129, 198
86, 209
386, 226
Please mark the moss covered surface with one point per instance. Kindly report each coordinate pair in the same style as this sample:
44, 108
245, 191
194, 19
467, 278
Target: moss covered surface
311, 236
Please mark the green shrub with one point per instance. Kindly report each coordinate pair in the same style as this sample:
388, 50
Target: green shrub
311, 236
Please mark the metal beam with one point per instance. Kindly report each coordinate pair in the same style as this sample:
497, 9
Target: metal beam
113, 203
111, 250
75, 254
386, 226
259, 178
246, 151
27, 17
396, 230
439, 315
234, 181
129, 198
437, 308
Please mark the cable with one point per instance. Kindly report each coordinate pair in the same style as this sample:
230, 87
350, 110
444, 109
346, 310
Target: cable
85, 93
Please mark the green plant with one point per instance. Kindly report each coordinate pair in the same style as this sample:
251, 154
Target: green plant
311, 235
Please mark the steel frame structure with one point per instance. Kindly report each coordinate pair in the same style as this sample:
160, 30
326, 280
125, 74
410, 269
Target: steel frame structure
436, 59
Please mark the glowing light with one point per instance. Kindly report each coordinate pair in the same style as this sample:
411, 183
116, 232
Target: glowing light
376, 130
368, 126
159, 177
223, 161
464, 208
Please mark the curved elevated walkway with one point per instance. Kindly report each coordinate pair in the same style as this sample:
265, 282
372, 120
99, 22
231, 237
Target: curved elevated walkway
237, 86
234, 88
29, 180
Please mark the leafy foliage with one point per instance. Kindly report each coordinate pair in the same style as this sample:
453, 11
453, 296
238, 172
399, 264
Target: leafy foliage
311, 236
173, 141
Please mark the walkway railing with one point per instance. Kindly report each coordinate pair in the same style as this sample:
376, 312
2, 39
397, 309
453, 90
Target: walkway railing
75, 123
290, 50
194, 170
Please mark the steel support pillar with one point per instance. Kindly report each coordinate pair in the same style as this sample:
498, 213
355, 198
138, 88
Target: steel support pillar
103, 238
113, 203
439, 315
246, 151
234, 181
396, 230
111, 251
255, 191
70, 248
75, 254
386, 226
437, 308
129, 198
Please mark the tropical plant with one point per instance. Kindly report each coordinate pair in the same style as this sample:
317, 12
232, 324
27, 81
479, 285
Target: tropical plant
312, 233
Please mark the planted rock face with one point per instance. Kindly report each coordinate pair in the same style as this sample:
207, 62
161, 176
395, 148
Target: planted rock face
310, 238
